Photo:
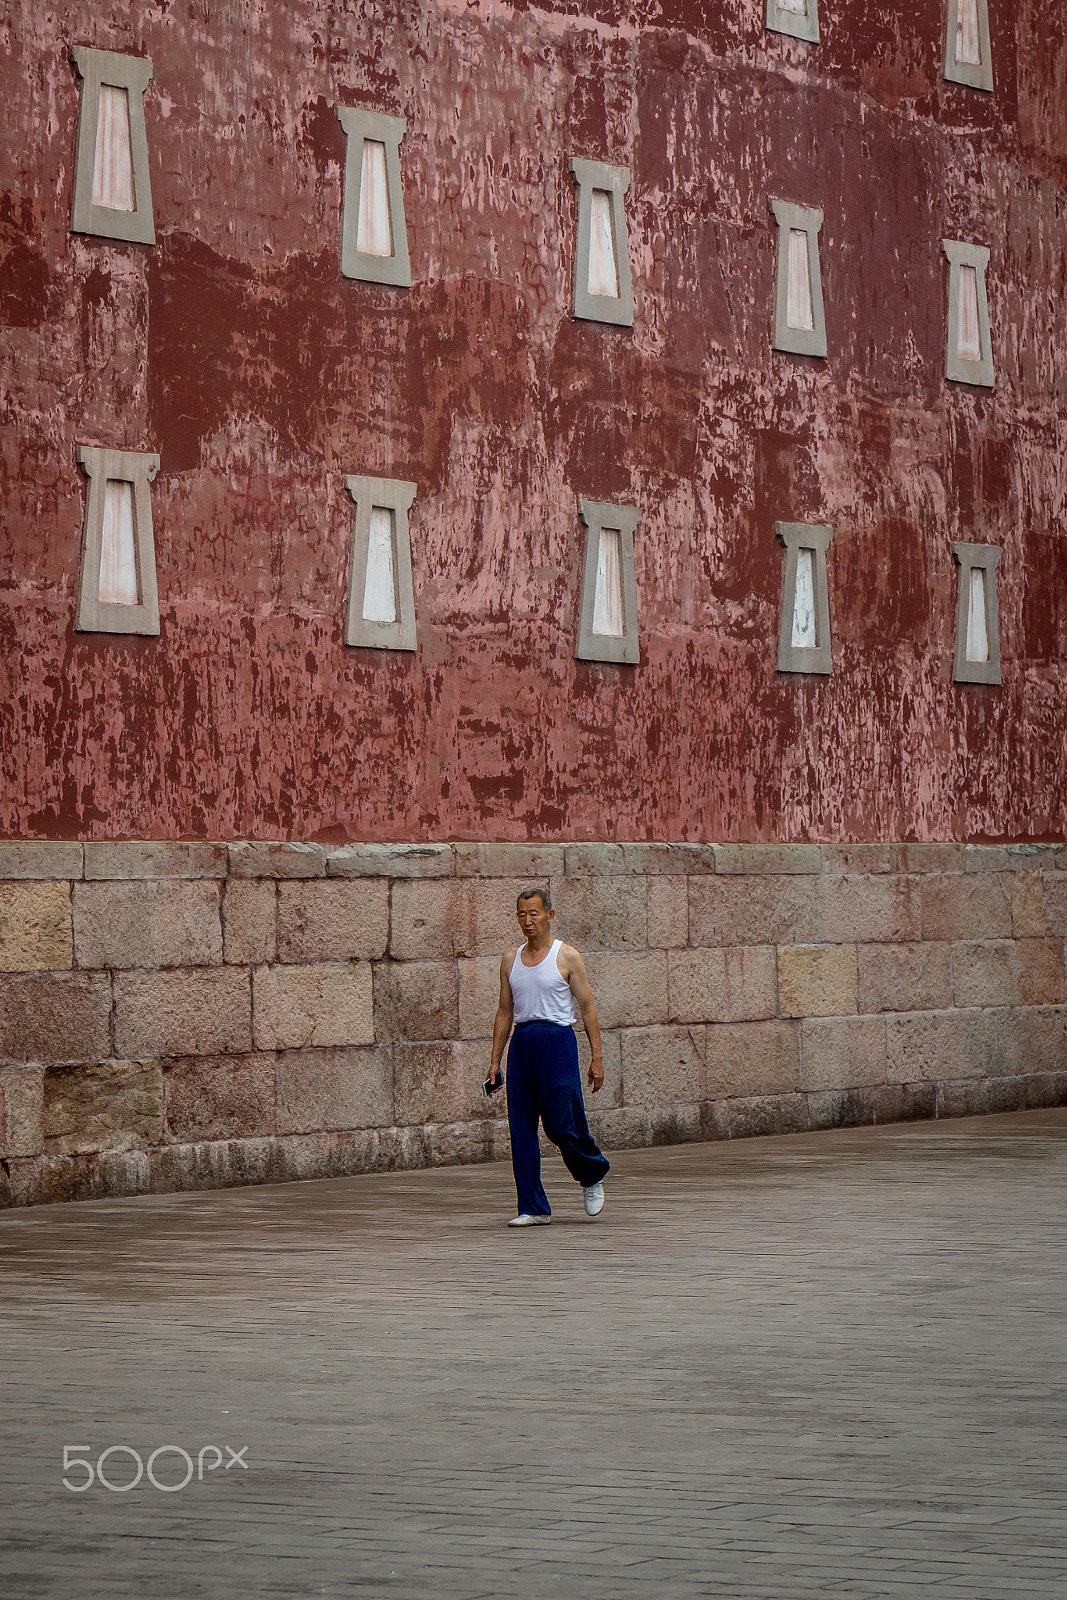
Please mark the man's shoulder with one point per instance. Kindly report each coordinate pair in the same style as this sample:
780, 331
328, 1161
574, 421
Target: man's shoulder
569, 954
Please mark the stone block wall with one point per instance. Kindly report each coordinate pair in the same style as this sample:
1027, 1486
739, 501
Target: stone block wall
178, 1016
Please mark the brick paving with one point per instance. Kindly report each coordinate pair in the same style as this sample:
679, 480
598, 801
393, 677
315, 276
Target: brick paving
828, 1364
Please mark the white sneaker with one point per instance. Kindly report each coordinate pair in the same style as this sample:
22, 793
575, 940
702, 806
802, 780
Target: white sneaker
525, 1220
594, 1199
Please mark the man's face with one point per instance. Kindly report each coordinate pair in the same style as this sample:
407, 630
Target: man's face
533, 918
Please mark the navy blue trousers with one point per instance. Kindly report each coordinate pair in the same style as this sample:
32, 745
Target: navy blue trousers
544, 1084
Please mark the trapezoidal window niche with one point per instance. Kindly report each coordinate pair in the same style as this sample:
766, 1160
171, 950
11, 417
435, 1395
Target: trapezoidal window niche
799, 322
969, 351
117, 586
603, 289
968, 57
112, 189
607, 629
374, 235
977, 620
381, 598
798, 18
804, 629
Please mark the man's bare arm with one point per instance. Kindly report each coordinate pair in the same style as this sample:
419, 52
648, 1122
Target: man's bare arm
573, 968
505, 1013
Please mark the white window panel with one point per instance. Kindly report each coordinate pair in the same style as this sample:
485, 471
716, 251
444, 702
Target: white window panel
607, 626
799, 319
804, 622
977, 633
113, 165
968, 55
977, 618
118, 554
607, 601
969, 343
968, 340
798, 18
804, 602
798, 300
603, 278
117, 585
374, 236
968, 41
112, 187
603, 287
379, 593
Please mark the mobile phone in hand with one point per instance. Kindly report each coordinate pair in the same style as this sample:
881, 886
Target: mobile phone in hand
491, 1085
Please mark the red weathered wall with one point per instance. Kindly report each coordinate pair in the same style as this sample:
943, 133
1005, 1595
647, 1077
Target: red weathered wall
236, 349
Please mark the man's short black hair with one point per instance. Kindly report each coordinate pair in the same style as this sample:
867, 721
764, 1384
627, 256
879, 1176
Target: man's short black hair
528, 894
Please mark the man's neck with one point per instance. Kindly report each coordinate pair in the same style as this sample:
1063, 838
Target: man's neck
537, 947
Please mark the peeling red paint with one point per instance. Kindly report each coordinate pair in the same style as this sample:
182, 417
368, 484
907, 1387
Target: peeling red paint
24, 274
235, 348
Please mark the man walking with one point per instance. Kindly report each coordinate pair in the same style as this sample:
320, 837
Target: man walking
539, 984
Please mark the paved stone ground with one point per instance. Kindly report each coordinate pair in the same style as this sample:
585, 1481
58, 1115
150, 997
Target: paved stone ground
823, 1365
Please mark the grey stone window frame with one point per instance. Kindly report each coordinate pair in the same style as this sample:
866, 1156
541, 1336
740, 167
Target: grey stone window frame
798, 25
968, 557
797, 536
976, 75
101, 616
590, 175
132, 73
625, 647
385, 494
958, 370
799, 341
360, 125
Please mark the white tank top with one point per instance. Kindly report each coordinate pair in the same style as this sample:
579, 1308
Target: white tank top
541, 993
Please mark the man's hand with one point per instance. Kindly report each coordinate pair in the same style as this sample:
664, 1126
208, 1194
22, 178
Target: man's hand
573, 969
505, 1012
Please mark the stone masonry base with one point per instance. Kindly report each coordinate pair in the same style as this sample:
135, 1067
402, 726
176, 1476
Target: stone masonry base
194, 1016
